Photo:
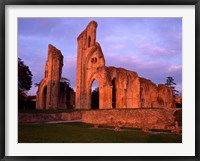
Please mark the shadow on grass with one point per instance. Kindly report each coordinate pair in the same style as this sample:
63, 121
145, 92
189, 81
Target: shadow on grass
77, 132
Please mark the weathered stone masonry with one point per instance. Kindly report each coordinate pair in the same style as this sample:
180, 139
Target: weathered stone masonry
132, 118
49, 94
118, 88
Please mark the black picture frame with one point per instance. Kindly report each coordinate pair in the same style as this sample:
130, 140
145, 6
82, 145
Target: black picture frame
4, 3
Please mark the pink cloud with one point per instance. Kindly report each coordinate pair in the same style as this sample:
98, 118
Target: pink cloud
151, 50
178, 37
117, 46
153, 70
154, 50
174, 68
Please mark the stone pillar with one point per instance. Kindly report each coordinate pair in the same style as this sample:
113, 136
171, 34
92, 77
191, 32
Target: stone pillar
105, 100
48, 94
86, 41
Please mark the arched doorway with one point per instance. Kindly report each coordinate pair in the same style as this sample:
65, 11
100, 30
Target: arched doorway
44, 98
114, 93
94, 95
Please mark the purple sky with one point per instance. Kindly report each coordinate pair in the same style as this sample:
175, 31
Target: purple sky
150, 46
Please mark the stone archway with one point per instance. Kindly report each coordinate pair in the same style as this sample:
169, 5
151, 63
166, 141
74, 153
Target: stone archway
49, 95
94, 95
114, 92
113, 82
105, 90
90, 67
118, 87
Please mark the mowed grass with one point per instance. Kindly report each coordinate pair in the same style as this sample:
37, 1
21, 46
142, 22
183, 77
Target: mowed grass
78, 132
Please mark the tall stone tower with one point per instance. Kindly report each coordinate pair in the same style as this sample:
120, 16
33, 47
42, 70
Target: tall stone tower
49, 95
85, 41
90, 67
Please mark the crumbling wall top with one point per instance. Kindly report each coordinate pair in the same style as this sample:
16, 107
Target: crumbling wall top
91, 24
52, 49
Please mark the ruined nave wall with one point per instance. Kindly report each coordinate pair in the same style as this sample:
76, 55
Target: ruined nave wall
153, 96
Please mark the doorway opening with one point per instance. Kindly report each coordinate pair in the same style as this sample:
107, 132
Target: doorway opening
114, 93
94, 95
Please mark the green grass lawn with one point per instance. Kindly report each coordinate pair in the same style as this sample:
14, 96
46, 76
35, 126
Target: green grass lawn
77, 132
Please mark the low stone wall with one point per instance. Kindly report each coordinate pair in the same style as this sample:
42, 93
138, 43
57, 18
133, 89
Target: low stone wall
40, 117
133, 118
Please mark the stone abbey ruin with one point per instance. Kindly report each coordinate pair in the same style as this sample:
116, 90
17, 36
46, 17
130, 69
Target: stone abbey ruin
125, 99
118, 87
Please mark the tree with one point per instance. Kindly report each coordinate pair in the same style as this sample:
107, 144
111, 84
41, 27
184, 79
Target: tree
24, 77
24, 84
65, 80
95, 98
170, 83
37, 84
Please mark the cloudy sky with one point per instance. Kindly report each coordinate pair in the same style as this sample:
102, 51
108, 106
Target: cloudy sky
150, 46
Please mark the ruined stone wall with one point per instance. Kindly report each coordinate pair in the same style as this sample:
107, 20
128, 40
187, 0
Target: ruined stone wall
101, 75
90, 67
153, 96
118, 88
86, 44
127, 86
149, 94
133, 118
49, 95
41, 117
165, 96
85, 41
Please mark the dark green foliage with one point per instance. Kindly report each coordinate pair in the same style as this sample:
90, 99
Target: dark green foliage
37, 84
95, 98
85, 133
24, 77
65, 83
170, 83
24, 84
